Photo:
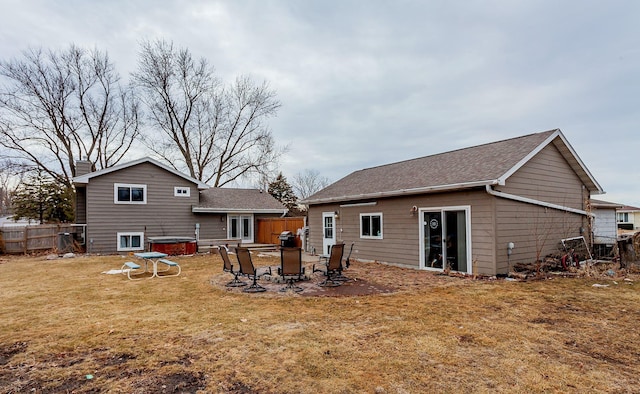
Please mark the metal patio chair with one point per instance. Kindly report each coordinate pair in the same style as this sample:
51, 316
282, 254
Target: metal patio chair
291, 268
333, 269
249, 270
228, 267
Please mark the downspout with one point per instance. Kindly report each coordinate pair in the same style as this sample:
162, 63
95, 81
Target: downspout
536, 202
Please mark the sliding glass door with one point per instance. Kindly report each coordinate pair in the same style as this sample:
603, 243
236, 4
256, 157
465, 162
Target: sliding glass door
445, 243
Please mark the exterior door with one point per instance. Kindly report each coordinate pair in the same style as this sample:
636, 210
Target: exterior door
445, 237
241, 227
328, 231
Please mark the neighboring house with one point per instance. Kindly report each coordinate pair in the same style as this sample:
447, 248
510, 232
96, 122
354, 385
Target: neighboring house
122, 206
460, 209
604, 227
628, 218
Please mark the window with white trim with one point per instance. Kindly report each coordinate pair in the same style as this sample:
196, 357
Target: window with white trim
130, 242
124, 193
371, 225
180, 191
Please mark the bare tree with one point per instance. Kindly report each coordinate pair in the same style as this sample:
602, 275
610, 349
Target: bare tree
308, 182
60, 106
219, 134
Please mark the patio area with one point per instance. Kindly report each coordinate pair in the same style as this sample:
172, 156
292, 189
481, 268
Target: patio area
366, 278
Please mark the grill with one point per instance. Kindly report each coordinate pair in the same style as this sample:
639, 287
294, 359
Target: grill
287, 239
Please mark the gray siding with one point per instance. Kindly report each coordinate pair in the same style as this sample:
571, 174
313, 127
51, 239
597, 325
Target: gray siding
547, 177
536, 231
401, 229
162, 215
212, 225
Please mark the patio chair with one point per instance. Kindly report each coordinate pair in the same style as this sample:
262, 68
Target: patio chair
228, 267
333, 269
291, 268
249, 270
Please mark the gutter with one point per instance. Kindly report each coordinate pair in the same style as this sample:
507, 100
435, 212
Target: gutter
400, 192
527, 200
235, 210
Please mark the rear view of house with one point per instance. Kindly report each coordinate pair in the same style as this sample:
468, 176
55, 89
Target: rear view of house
473, 210
126, 205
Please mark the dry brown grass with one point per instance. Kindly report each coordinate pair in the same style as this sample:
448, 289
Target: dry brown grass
63, 320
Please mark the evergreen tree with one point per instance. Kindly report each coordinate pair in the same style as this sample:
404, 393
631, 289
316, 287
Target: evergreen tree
41, 198
282, 191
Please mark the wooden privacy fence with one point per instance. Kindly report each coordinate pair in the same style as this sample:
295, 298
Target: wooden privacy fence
16, 240
269, 229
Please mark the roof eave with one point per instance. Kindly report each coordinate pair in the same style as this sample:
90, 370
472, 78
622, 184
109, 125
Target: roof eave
402, 192
237, 210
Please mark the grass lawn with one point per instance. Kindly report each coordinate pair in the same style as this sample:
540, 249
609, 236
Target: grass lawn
67, 327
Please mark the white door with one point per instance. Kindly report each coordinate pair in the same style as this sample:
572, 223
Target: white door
241, 227
328, 231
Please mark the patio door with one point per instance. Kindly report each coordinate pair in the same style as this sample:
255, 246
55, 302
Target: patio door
241, 227
445, 235
328, 231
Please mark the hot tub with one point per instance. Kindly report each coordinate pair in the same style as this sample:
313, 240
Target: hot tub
173, 245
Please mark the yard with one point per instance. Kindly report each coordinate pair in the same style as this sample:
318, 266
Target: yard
67, 327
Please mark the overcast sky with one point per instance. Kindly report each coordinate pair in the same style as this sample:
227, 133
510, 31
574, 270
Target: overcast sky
364, 83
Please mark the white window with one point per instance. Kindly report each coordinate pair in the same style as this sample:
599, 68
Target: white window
371, 225
179, 191
124, 193
623, 217
130, 241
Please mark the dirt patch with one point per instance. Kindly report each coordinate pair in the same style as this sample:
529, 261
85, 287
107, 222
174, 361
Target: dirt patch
364, 279
352, 287
7, 352
181, 382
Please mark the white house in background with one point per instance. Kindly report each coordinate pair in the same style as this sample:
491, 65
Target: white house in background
605, 228
628, 218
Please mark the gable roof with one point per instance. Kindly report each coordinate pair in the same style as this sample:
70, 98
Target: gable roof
84, 179
487, 164
223, 200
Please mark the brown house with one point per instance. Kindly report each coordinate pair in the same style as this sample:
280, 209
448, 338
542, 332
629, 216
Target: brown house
461, 209
125, 205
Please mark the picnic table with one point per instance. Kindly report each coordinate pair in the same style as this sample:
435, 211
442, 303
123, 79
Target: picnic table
158, 258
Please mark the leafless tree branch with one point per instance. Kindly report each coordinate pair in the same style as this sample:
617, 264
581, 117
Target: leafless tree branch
60, 106
219, 134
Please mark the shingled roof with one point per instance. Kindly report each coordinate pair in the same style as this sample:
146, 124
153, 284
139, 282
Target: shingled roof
222, 200
488, 164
